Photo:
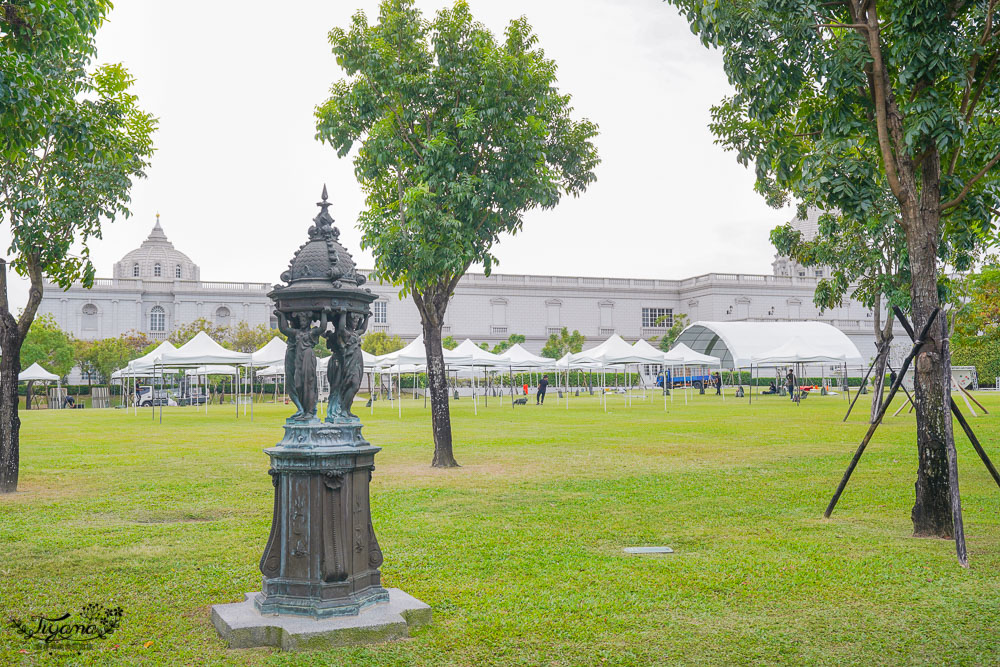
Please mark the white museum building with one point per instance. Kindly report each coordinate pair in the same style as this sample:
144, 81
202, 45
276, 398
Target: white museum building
156, 288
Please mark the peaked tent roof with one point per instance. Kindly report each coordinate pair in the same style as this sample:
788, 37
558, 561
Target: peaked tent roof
273, 369
273, 352
681, 353
202, 350
414, 354
797, 350
516, 356
642, 346
735, 343
616, 351
567, 362
480, 357
145, 363
35, 372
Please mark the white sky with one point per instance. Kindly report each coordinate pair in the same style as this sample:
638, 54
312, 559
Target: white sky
237, 170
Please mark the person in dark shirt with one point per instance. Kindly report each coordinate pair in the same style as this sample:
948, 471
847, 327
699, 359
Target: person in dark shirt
790, 382
717, 381
542, 384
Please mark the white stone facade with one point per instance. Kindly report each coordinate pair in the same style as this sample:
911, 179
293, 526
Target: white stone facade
489, 309
155, 289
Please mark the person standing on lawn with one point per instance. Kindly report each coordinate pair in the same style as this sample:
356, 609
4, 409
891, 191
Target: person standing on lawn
542, 385
790, 382
717, 381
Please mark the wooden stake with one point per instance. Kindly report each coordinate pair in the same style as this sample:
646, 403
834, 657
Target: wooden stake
878, 419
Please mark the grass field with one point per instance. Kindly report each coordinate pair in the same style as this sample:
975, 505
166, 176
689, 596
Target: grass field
519, 552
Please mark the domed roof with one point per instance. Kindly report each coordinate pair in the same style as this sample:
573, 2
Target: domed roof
157, 259
322, 258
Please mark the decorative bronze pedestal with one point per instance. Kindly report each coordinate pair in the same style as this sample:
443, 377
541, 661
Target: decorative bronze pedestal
322, 585
322, 557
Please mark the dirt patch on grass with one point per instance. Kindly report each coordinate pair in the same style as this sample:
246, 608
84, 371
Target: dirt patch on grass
408, 474
44, 489
185, 517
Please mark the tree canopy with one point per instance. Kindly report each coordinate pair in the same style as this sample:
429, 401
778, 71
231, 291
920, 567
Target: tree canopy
460, 136
879, 110
680, 323
557, 346
504, 345
379, 343
44, 47
49, 346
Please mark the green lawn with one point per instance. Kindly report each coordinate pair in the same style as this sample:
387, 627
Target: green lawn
519, 552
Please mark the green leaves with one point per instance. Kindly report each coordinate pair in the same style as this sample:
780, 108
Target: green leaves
803, 111
559, 345
49, 346
59, 191
459, 136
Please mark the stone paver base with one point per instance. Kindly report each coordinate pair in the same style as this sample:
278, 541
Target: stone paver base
241, 626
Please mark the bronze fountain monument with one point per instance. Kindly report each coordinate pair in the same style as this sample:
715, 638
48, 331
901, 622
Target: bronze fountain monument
321, 581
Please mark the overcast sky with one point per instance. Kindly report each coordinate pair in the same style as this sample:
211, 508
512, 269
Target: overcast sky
237, 170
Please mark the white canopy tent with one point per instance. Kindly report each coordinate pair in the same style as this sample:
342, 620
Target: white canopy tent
681, 353
203, 351
740, 344
143, 367
615, 352
516, 357
480, 359
736, 343
799, 351
145, 363
683, 356
35, 373
415, 355
213, 369
273, 352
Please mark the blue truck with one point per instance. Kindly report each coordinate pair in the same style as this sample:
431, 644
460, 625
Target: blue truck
696, 381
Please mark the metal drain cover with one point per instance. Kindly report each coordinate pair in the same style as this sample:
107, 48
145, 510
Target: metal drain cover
648, 550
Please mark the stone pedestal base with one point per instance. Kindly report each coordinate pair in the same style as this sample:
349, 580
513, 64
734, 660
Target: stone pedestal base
241, 625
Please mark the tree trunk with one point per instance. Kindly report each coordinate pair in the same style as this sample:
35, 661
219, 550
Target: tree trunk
932, 513
12, 334
432, 304
10, 422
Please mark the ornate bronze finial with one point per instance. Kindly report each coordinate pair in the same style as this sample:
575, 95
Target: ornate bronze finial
323, 204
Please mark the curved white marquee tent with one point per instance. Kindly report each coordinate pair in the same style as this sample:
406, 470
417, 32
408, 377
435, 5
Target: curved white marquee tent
740, 344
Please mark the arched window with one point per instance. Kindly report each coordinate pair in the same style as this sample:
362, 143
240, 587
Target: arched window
157, 271
177, 271
157, 319
89, 317
222, 316
135, 270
